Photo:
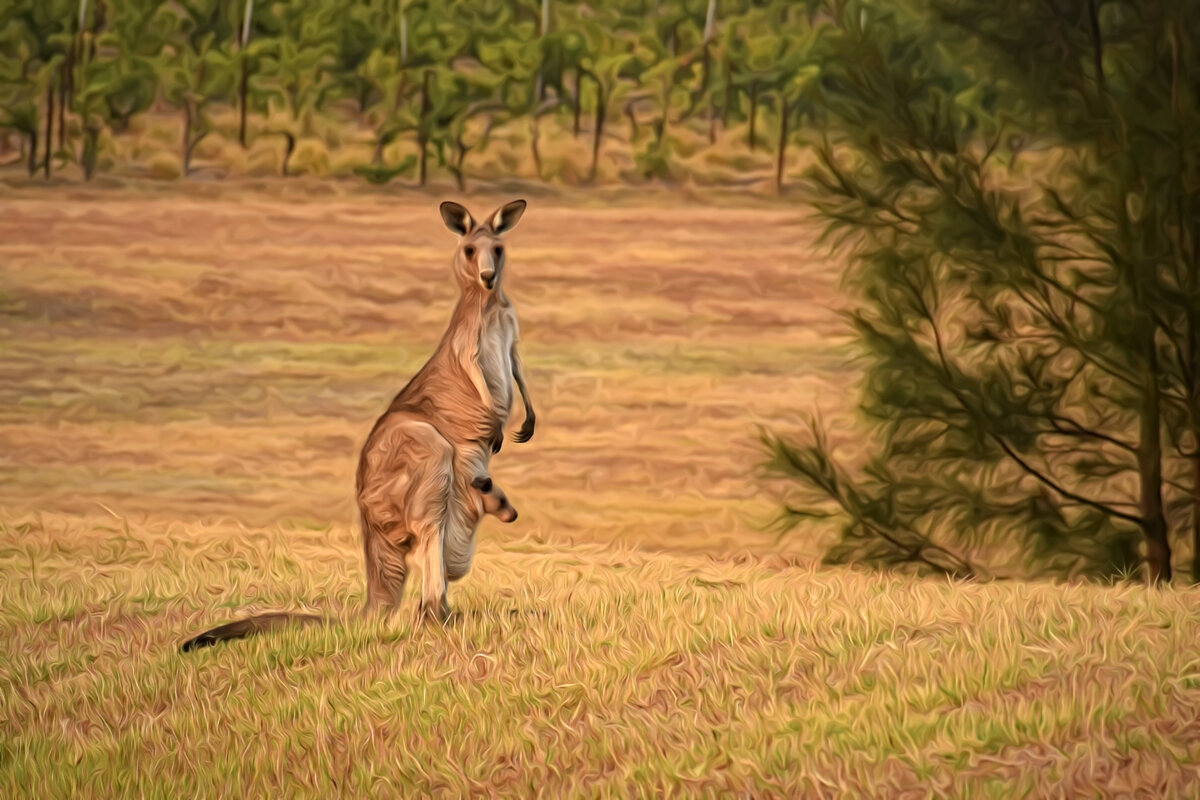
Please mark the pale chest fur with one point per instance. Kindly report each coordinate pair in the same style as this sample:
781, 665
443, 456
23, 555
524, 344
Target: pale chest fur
496, 338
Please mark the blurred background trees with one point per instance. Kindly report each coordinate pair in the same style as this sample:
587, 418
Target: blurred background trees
394, 87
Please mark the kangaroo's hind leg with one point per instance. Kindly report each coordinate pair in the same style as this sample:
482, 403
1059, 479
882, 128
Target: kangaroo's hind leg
405, 481
431, 507
434, 605
387, 572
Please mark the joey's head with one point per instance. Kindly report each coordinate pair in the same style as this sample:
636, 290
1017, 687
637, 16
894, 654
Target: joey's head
494, 500
479, 260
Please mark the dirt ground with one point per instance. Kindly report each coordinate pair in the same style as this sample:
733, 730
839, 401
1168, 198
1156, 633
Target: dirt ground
219, 352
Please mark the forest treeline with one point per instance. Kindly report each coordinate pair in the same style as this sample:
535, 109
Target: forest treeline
443, 74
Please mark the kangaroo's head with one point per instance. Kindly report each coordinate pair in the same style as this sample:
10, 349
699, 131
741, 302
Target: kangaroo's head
479, 259
494, 500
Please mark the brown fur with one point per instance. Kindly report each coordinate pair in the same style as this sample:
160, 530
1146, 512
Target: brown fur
490, 498
440, 431
417, 472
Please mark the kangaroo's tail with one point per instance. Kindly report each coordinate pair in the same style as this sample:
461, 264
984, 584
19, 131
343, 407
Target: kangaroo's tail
250, 626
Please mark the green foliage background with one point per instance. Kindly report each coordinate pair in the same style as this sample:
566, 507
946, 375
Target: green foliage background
444, 76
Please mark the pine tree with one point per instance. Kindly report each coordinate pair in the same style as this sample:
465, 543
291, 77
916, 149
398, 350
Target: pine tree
1017, 185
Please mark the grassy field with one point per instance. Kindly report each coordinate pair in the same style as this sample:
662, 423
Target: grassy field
187, 372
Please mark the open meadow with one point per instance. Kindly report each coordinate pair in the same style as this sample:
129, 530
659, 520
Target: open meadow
187, 372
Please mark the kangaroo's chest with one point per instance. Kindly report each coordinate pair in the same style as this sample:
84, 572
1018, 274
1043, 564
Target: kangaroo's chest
495, 362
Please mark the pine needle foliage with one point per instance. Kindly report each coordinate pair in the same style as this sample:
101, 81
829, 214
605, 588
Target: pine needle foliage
1016, 185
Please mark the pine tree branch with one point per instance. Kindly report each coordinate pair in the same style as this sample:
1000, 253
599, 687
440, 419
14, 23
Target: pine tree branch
1049, 482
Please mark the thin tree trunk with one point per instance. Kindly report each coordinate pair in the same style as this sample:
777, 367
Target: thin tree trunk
64, 86
660, 132
49, 123
728, 97
460, 156
377, 156
540, 87
287, 153
783, 135
186, 151
578, 98
600, 113
1193, 322
243, 86
422, 127
753, 111
705, 66
712, 119
90, 136
1097, 46
1196, 503
533, 146
33, 148
403, 36
1149, 460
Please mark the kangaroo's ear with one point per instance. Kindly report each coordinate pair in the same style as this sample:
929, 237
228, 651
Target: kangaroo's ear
506, 217
457, 218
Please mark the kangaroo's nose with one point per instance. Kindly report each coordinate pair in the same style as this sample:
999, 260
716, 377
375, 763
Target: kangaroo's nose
488, 277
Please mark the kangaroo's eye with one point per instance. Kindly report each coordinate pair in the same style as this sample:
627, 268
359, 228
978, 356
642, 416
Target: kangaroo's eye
469, 251
498, 251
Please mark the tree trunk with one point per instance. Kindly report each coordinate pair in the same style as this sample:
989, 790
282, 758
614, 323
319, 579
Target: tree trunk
1149, 460
705, 66
578, 98
753, 111
91, 136
728, 96
401, 90
1196, 505
423, 128
64, 84
1193, 322
533, 146
712, 119
377, 156
287, 153
186, 152
33, 146
783, 136
403, 37
660, 132
600, 113
460, 156
243, 86
49, 123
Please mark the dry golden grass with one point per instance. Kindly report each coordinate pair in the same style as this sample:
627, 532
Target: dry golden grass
589, 671
187, 373
189, 356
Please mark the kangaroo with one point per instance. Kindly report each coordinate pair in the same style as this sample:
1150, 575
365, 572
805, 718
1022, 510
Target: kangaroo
490, 498
416, 477
440, 431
